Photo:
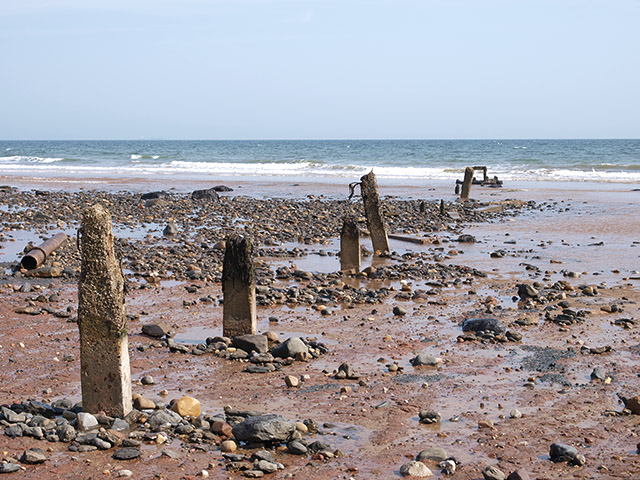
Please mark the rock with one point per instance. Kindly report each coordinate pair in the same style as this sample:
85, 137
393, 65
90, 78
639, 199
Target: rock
527, 291
415, 469
515, 413
147, 380
170, 229
33, 456
296, 448
187, 407
483, 325
209, 195
428, 416
154, 195
125, 473
222, 188
291, 381
424, 358
399, 311
598, 374
13, 431
13, 417
163, 420
560, 452
289, 348
86, 422
156, 330
253, 473
493, 473
251, 343
434, 454
519, 475
346, 371
632, 404
466, 238
221, 428
228, 446
264, 428
579, 460
66, 433
127, 453
266, 466
143, 403
9, 467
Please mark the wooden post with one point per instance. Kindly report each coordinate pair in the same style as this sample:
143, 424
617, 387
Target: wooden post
373, 212
350, 245
102, 321
466, 183
239, 289
443, 210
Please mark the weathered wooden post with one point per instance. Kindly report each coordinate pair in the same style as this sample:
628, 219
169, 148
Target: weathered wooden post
102, 320
443, 210
373, 212
350, 245
466, 183
238, 288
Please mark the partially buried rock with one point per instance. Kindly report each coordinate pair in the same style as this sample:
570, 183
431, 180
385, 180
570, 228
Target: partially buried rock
434, 454
483, 325
170, 229
415, 469
264, 428
127, 453
156, 330
251, 343
163, 420
429, 416
289, 348
424, 358
209, 195
519, 475
9, 467
493, 473
560, 452
399, 311
228, 446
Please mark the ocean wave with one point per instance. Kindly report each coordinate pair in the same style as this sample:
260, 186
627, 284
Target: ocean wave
28, 159
135, 156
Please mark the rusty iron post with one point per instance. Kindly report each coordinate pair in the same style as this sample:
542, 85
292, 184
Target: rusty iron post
37, 255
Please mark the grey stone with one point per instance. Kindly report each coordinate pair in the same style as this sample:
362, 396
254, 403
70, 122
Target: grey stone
399, 311
428, 416
264, 428
251, 343
264, 455
14, 430
296, 448
289, 348
253, 473
424, 358
527, 291
9, 467
560, 452
466, 238
127, 453
120, 425
483, 325
519, 475
101, 444
170, 229
163, 419
209, 195
13, 417
266, 467
415, 469
87, 422
434, 454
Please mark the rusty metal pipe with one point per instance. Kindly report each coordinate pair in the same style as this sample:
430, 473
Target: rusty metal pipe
39, 254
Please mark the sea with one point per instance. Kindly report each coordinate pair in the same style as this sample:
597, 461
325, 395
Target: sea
398, 161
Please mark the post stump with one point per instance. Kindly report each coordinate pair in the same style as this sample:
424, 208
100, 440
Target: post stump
350, 245
239, 289
373, 212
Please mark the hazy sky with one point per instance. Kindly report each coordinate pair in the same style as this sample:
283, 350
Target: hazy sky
304, 69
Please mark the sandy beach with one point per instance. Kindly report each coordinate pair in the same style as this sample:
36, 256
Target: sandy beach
557, 376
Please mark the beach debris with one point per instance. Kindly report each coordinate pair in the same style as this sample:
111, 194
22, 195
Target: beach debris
373, 213
102, 320
37, 255
350, 245
238, 287
466, 184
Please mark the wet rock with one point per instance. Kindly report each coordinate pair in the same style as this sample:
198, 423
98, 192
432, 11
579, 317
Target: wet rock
209, 195
560, 452
163, 420
527, 291
346, 371
33, 456
296, 448
483, 325
9, 467
399, 311
434, 454
170, 229
251, 343
633, 404
127, 453
598, 374
222, 188
291, 381
143, 403
156, 330
415, 469
424, 358
13, 417
264, 428
519, 474
493, 473
221, 428
466, 238
147, 380
429, 416
154, 195
290, 348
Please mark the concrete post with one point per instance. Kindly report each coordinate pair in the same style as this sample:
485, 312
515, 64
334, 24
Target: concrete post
466, 183
102, 320
373, 212
239, 289
350, 245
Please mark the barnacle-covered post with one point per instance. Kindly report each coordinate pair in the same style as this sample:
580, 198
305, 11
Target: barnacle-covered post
350, 245
373, 212
104, 356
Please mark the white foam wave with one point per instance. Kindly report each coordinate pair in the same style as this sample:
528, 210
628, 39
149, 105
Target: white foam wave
135, 157
305, 169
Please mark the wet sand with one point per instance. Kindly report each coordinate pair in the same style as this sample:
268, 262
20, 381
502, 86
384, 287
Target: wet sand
584, 236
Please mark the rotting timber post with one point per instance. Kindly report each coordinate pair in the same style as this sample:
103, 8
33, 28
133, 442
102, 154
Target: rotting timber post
373, 212
238, 288
350, 245
102, 320
466, 183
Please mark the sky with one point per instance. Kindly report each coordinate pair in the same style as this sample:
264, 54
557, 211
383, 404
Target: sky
319, 69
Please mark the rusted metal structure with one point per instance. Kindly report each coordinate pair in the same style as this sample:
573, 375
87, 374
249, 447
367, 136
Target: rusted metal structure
39, 254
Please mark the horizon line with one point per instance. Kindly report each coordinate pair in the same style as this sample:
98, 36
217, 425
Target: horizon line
305, 139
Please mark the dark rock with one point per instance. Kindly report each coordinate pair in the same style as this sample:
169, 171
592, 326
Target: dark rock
127, 453
466, 238
264, 428
170, 229
163, 419
296, 448
527, 291
9, 467
209, 195
154, 195
156, 330
222, 188
483, 325
519, 475
560, 452
251, 343
33, 456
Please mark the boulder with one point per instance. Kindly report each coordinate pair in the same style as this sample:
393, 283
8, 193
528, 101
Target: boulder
156, 330
163, 420
264, 428
424, 358
289, 348
251, 343
208, 195
187, 407
483, 325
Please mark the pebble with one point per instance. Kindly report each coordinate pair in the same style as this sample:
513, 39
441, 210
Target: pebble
434, 454
228, 446
493, 473
399, 311
291, 381
127, 453
147, 380
415, 469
